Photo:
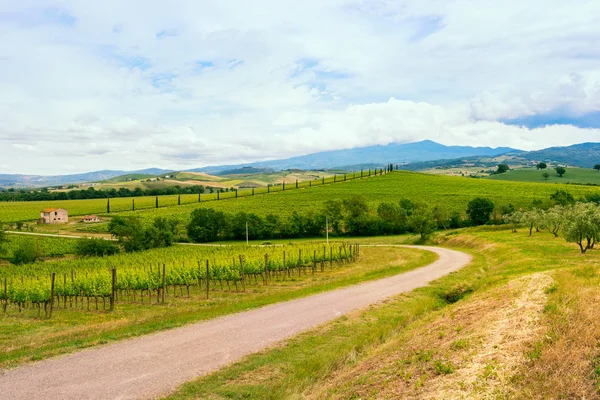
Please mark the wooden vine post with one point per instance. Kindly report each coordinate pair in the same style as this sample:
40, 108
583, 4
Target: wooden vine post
164, 281
207, 280
112, 290
242, 273
266, 269
51, 293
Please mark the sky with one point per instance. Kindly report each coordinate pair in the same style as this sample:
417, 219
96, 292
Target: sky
113, 84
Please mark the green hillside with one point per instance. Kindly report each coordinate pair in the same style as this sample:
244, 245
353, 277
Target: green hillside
573, 176
451, 192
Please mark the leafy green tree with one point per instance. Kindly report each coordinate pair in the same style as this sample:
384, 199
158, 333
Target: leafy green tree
479, 210
541, 165
206, 225
562, 198
422, 221
96, 247
532, 218
513, 219
129, 231
393, 218
560, 171
355, 208
332, 209
597, 167
408, 206
502, 168
546, 175
582, 225
554, 219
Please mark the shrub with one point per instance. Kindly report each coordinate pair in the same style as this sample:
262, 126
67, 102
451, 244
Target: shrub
96, 247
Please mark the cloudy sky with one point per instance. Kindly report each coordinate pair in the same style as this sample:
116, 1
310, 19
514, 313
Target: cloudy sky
115, 84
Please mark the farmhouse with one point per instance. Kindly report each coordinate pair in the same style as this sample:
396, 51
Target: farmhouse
91, 218
54, 216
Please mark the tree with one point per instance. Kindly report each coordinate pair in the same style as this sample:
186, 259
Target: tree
541, 165
554, 219
206, 225
129, 232
332, 209
422, 221
546, 175
479, 210
96, 247
502, 168
597, 167
582, 225
562, 198
533, 218
393, 218
560, 171
514, 219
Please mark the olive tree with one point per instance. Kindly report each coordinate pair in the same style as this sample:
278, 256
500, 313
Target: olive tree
582, 225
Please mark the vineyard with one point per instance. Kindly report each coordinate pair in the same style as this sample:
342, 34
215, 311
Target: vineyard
45, 246
154, 275
30, 211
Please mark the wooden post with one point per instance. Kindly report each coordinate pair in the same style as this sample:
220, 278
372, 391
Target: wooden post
323, 260
112, 290
296, 183
218, 195
207, 280
331, 257
242, 273
164, 281
132, 204
266, 268
309, 183
252, 191
314, 262
179, 200
52, 293
5, 295
198, 197
156, 201
268, 188
236, 194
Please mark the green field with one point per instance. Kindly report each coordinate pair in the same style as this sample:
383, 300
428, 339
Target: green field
451, 192
573, 176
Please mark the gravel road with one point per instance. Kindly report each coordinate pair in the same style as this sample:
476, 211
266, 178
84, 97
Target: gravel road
156, 364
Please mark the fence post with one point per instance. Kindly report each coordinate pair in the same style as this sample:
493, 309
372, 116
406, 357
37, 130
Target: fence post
252, 191
218, 195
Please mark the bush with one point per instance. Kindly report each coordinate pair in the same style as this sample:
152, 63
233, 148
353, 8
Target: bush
26, 253
96, 247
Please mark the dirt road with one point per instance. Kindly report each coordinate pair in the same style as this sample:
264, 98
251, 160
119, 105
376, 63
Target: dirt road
156, 364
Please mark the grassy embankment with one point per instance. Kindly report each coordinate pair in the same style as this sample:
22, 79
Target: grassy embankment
520, 321
26, 337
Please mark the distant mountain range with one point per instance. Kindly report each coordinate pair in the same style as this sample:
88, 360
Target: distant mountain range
374, 155
54, 180
420, 154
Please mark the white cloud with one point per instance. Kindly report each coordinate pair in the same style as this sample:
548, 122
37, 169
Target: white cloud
112, 84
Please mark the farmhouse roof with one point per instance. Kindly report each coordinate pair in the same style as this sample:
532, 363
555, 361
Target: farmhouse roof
49, 210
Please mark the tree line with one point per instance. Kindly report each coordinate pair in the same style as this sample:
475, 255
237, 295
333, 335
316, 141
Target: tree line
92, 193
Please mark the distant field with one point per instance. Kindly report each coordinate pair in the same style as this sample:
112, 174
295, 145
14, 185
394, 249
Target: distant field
30, 211
573, 175
451, 192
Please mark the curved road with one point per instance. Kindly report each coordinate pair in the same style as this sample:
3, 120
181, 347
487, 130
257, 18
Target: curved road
156, 364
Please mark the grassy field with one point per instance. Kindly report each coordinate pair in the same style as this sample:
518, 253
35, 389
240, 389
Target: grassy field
30, 211
453, 193
573, 176
520, 321
27, 337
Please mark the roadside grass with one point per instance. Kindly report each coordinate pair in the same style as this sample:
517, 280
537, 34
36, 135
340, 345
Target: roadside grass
26, 337
519, 322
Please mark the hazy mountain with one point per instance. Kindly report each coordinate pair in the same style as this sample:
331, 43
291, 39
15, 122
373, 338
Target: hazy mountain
584, 155
17, 180
374, 155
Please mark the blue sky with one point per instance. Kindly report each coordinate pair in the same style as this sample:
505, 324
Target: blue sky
130, 85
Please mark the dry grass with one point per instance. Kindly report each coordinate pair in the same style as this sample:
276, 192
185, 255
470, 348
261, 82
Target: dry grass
564, 364
471, 350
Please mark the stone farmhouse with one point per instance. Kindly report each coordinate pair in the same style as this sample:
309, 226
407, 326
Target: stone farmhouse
54, 216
